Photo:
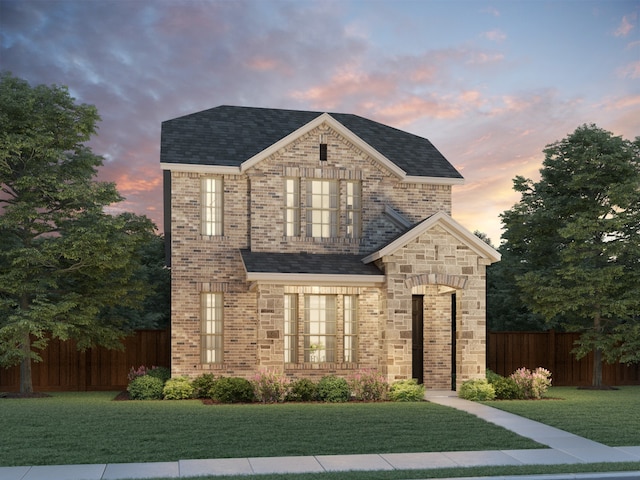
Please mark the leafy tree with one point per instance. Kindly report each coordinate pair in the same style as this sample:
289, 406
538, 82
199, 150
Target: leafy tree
576, 233
63, 260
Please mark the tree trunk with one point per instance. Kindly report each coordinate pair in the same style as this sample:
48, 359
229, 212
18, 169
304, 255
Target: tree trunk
596, 380
26, 382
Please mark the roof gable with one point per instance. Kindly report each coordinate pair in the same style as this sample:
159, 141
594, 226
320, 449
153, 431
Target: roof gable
235, 138
447, 223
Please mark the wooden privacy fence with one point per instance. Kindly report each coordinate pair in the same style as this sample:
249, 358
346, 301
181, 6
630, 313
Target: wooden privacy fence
64, 368
508, 351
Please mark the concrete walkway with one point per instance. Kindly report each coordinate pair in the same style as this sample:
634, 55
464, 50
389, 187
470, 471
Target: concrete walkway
566, 448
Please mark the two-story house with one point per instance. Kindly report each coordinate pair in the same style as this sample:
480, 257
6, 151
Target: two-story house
313, 243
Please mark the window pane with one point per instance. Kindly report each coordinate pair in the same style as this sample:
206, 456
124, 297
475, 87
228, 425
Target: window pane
320, 328
212, 206
353, 209
292, 207
350, 328
322, 208
211, 337
291, 328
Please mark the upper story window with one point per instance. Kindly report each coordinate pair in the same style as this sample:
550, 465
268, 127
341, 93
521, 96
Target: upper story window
353, 199
322, 208
212, 206
292, 207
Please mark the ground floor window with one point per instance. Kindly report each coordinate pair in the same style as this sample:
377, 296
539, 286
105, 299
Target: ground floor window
211, 338
326, 330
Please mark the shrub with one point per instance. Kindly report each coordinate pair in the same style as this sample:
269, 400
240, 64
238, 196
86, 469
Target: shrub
368, 385
506, 389
477, 390
145, 387
406, 391
162, 373
270, 387
302, 390
232, 390
178, 388
202, 385
135, 373
333, 389
532, 385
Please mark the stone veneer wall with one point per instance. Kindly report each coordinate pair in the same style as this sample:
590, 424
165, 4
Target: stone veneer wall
253, 315
436, 252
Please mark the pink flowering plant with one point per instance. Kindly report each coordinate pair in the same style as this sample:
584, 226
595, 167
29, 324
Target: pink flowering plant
368, 385
270, 387
532, 384
134, 373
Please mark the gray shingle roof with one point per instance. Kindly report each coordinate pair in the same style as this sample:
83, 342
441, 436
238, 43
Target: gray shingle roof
228, 136
317, 264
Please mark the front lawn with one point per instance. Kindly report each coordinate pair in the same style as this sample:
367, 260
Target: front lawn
611, 417
76, 428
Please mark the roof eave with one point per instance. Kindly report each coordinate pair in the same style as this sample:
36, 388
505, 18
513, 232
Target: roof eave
315, 279
200, 168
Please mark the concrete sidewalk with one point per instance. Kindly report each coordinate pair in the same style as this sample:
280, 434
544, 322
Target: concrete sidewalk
565, 448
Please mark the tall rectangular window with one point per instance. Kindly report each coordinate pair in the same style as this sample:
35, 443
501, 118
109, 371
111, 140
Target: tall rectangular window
353, 199
211, 332
291, 328
212, 206
322, 208
350, 328
291, 207
319, 328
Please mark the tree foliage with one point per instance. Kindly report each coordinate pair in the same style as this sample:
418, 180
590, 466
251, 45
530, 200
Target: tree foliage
64, 262
576, 235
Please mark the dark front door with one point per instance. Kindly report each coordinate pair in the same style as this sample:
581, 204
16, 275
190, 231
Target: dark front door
417, 338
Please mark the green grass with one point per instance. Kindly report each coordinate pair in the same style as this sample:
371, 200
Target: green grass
75, 428
611, 417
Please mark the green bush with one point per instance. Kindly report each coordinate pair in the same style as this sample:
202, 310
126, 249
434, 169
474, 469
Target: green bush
477, 390
406, 391
178, 388
232, 390
162, 373
505, 388
145, 387
333, 389
302, 390
202, 385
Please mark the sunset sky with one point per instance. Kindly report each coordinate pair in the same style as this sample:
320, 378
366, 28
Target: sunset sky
490, 83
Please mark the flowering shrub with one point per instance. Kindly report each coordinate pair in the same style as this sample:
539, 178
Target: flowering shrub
368, 385
270, 387
532, 385
162, 373
135, 373
145, 387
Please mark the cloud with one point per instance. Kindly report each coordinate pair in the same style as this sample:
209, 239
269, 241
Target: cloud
495, 35
626, 25
631, 70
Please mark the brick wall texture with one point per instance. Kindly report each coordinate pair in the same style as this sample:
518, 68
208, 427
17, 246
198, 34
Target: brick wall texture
435, 265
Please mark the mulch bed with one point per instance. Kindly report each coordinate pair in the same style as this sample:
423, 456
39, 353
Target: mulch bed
24, 395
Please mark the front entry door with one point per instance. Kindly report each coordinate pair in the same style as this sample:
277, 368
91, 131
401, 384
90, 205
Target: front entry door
417, 337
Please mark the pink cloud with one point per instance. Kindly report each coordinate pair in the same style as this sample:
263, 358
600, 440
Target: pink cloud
631, 70
626, 25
